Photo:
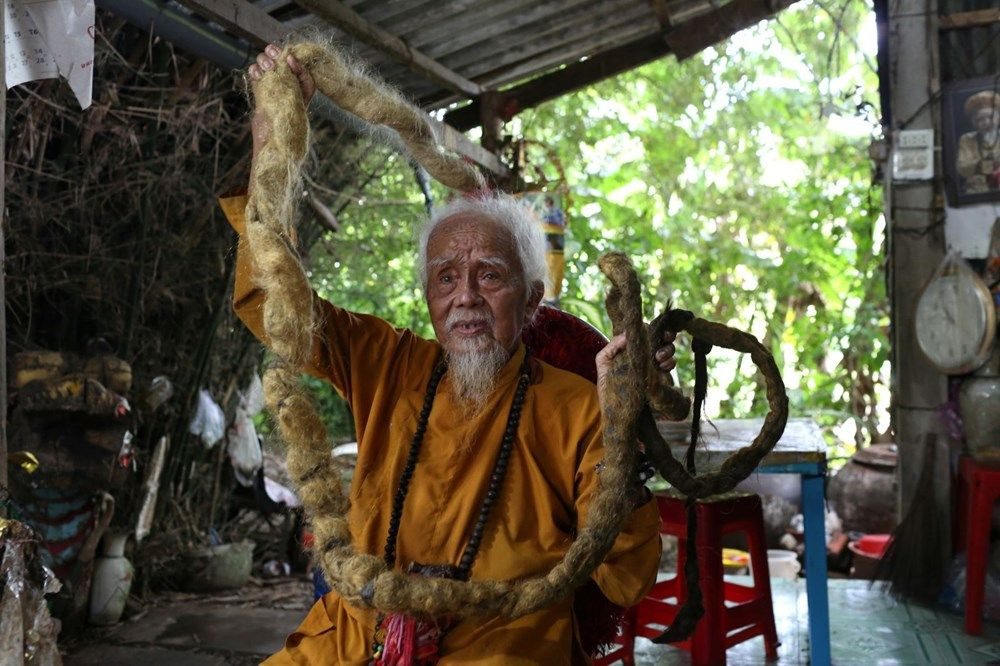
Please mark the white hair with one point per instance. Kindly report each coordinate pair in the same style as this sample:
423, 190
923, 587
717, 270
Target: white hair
511, 214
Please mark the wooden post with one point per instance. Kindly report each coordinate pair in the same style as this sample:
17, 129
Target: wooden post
915, 244
490, 120
3, 269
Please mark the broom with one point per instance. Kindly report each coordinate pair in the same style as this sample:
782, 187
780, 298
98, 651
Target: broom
914, 564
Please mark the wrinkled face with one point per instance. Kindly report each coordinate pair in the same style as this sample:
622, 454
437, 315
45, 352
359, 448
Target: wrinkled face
476, 292
986, 120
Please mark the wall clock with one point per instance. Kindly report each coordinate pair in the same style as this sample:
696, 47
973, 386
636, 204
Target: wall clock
956, 321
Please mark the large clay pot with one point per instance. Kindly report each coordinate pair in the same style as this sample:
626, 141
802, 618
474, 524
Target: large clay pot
111, 583
863, 492
979, 401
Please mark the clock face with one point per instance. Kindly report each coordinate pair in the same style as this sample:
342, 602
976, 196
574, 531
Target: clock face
954, 323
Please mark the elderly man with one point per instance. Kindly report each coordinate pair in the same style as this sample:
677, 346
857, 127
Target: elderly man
482, 263
978, 159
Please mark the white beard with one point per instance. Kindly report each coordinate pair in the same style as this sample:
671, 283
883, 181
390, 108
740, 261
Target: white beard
474, 367
473, 375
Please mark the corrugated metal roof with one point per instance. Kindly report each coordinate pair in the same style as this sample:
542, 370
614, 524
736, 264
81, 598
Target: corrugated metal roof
498, 43
487, 59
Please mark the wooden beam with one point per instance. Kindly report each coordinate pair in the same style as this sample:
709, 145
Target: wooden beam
455, 141
969, 19
345, 18
243, 19
705, 30
520, 44
240, 18
490, 121
572, 77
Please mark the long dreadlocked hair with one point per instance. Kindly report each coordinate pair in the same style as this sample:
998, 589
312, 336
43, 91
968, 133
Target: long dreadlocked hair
360, 578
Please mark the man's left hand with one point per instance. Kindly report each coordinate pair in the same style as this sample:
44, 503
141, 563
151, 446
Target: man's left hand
664, 355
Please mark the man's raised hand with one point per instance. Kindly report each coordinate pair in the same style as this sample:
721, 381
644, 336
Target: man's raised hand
266, 61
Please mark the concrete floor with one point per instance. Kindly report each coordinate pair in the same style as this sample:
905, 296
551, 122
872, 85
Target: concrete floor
868, 627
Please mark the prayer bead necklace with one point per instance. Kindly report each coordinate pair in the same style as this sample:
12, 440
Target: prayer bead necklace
496, 478
462, 571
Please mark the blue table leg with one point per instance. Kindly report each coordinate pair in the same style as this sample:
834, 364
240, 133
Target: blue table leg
813, 505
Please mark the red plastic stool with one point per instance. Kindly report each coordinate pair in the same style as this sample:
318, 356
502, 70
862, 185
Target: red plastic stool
733, 613
978, 489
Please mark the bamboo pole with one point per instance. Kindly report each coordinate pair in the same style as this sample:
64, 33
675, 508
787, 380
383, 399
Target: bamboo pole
3, 263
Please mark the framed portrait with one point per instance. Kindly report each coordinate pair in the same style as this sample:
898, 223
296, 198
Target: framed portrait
971, 140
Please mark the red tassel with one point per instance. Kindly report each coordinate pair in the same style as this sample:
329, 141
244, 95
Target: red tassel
409, 642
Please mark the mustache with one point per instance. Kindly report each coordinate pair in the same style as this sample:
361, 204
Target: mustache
457, 318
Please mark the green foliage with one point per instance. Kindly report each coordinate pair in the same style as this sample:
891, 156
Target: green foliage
369, 265
737, 180
333, 408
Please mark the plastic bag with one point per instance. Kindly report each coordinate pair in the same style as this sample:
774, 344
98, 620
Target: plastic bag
244, 449
831, 524
29, 631
952, 594
280, 494
245, 452
209, 422
252, 400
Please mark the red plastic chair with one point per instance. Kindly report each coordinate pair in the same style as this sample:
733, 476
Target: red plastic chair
978, 489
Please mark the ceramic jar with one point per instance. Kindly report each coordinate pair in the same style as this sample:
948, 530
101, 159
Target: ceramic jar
863, 492
979, 402
111, 583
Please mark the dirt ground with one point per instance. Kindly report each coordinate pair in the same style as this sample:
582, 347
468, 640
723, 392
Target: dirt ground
238, 627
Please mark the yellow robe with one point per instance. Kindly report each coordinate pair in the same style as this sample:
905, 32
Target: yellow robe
383, 372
